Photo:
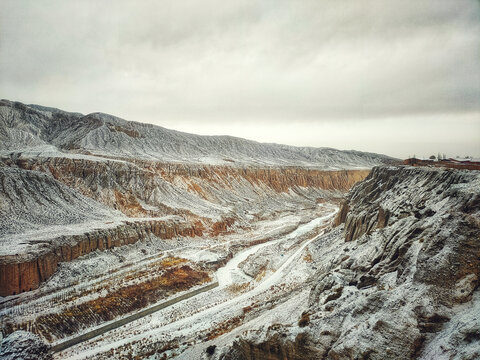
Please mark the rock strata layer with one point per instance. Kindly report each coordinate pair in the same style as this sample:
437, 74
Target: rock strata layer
25, 272
127, 185
398, 276
41, 192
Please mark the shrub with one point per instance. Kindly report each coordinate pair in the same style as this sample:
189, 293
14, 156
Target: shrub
304, 320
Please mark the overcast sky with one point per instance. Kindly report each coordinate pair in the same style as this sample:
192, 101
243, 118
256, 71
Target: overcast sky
397, 77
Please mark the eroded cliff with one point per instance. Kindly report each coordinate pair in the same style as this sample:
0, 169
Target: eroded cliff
63, 174
25, 271
57, 209
398, 277
146, 188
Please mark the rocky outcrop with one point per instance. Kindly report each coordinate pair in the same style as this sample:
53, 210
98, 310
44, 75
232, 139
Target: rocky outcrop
368, 205
342, 214
275, 348
72, 188
25, 272
54, 191
409, 231
281, 179
127, 185
24, 345
30, 200
398, 277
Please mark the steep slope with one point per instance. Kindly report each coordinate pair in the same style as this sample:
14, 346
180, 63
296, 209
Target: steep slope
32, 128
70, 183
398, 278
146, 188
101, 217
56, 209
44, 222
33, 201
73, 184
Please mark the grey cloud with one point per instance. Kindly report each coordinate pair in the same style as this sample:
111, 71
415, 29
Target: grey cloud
216, 61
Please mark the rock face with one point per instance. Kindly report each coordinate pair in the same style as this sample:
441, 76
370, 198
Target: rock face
399, 275
24, 269
30, 200
43, 199
273, 349
25, 272
382, 200
73, 183
127, 185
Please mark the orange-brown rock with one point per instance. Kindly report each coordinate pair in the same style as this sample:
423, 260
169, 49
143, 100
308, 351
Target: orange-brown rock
127, 185
342, 214
24, 273
280, 179
222, 226
120, 185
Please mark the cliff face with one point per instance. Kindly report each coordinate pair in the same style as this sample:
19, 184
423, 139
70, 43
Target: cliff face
162, 187
31, 201
24, 345
275, 348
65, 175
26, 271
411, 262
387, 196
399, 275
96, 196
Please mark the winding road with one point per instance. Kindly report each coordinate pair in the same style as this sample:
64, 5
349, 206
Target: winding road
226, 276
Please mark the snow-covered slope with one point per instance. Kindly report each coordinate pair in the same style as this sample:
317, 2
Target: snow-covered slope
397, 279
35, 203
40, 129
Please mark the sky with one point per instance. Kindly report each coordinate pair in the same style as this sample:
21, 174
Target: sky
393, 77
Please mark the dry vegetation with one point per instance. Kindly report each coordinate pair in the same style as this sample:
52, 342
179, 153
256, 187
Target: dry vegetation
308, 258
225, 327
139, 350
136, 291
261, 274
238, 288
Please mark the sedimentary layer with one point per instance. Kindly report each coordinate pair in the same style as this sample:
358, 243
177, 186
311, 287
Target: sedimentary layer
24, 272
169, 188
45, 196
398, 276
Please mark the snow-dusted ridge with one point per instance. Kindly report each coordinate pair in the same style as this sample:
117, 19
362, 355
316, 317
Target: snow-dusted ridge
24, 127
397, 277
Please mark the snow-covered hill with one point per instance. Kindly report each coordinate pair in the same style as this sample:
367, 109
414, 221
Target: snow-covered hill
397, 279
33, 129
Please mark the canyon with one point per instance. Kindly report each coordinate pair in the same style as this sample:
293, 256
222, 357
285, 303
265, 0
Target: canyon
397, 276
38, 261
304, 253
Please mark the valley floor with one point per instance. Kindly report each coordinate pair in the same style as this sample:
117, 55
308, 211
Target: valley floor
261, 273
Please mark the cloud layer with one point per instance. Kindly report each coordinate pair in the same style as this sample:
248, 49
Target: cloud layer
267, 65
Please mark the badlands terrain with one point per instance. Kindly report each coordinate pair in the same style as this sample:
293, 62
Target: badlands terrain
122, 240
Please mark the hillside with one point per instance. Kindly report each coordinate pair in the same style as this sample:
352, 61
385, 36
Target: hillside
74, 184
127, 240
33, 129
397, 278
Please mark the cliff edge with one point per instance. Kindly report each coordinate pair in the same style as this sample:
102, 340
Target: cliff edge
397, 278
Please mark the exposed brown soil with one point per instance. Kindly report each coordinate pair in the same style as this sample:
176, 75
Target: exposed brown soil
173, 276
